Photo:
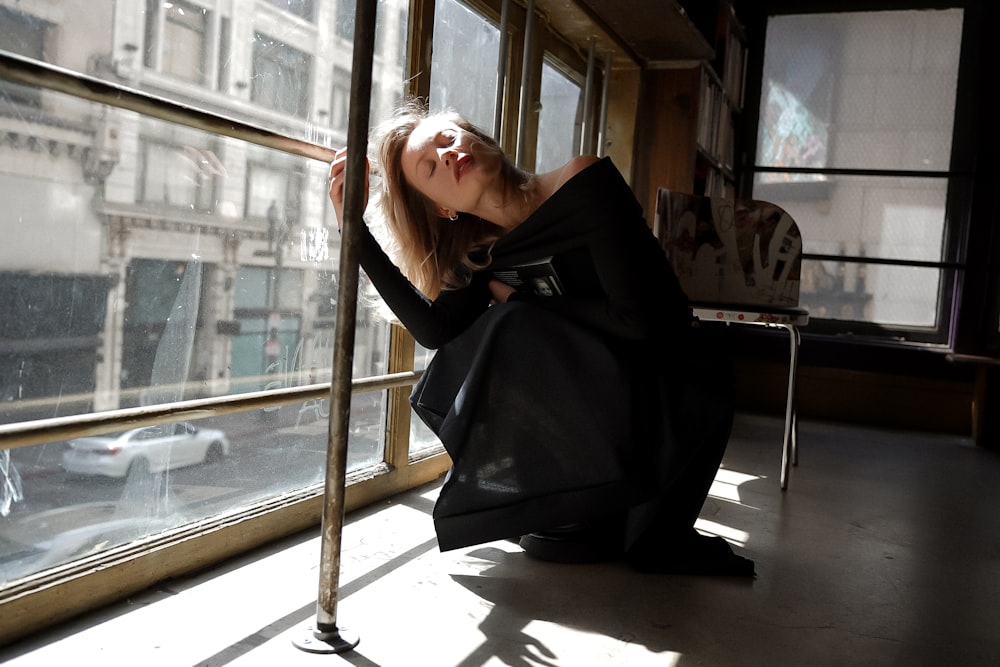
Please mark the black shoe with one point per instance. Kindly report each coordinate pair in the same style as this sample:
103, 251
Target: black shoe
696, 554
573, 544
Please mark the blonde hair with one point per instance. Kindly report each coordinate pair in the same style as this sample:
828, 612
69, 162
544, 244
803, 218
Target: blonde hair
433, 252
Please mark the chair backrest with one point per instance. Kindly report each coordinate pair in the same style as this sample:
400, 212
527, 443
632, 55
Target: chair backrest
738, 252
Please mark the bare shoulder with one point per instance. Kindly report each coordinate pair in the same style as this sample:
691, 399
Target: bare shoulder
577, 164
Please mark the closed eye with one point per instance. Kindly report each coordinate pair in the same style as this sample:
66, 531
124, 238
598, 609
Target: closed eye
444, 139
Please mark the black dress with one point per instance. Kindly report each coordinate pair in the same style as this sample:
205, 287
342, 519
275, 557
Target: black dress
559, 409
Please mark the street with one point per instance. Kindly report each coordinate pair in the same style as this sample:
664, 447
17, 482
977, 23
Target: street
63, 516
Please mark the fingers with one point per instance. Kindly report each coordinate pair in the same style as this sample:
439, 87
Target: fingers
337, 167
338, 170
336, 183
500, 291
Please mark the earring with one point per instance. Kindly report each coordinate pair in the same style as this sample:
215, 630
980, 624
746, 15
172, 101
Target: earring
453, 217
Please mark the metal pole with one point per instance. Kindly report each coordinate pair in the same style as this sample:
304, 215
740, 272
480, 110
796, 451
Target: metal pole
529, 35
587, 121
502, 68
326, 636
602, 128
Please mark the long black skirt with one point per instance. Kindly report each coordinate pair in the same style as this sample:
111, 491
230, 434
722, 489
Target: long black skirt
541, 420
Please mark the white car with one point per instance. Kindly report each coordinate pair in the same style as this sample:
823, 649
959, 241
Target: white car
145, 450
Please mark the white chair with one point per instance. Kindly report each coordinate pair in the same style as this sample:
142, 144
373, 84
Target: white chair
739, 262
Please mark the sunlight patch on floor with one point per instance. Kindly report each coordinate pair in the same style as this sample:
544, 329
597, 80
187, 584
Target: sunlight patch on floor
546, 643
727, 484
731, 535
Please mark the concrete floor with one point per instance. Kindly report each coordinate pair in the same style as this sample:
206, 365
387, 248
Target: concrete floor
885, 550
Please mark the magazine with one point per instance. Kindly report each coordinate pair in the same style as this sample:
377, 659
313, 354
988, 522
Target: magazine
538, 276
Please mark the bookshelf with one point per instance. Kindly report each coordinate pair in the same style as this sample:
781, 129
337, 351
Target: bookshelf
692, 110
720, 105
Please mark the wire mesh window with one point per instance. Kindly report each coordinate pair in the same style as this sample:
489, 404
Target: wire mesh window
857, 113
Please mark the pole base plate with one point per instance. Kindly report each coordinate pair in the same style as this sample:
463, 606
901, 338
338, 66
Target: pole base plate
337, 641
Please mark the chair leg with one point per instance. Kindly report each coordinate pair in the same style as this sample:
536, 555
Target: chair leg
795, 402
789, 445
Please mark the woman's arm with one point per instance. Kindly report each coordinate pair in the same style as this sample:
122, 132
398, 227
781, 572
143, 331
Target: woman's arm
432, 323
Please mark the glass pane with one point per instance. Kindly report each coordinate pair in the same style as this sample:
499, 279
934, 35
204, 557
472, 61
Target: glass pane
558, 139
245, 59
866, 216
867, 90
137, 271
860, 216
464, 63
389, 67
422, 439
900, 296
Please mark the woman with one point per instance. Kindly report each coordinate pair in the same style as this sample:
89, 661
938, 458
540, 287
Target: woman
563, 409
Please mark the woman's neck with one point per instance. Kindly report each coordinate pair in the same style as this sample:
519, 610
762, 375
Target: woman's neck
516, 204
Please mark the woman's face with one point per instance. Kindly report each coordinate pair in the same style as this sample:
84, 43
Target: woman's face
449, 165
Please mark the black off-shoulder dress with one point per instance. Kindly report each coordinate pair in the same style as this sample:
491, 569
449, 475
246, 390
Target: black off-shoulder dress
564, 409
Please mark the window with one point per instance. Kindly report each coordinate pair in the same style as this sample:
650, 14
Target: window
225, 52
179, 176
401, 37
281, 76
193, 266
464, 64
345, 19
558, 139
303, 8
165, 285
24, 35
184, 34
390, 61
272, 194
177, 39
854, 139
340, 103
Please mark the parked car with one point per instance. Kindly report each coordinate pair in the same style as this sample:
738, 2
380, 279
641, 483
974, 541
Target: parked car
145, 450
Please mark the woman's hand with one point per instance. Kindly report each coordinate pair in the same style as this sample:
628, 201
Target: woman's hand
338, 171
501, 291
